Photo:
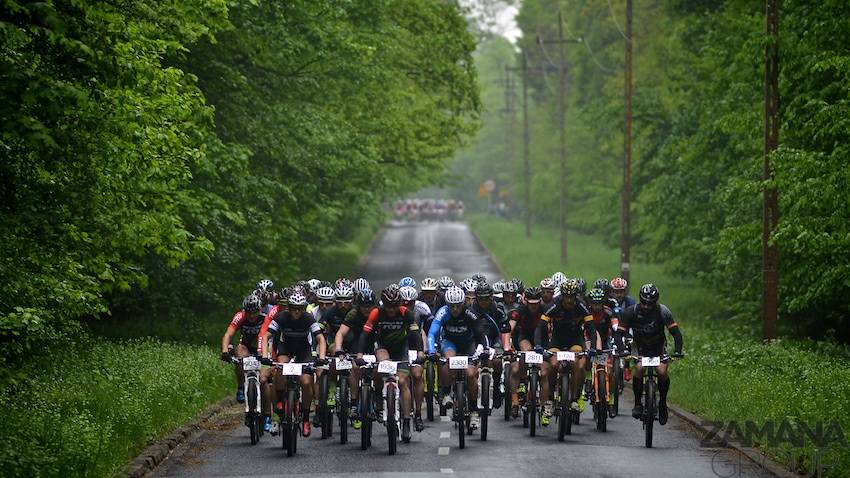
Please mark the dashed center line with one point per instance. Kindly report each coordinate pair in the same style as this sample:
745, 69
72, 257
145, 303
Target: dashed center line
446, 419
443, 450
446, 470
445, 434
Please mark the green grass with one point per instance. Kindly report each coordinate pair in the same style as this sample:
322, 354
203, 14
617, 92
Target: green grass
727, 374
99, 402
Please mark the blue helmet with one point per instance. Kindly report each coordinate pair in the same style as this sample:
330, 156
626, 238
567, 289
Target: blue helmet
407, 282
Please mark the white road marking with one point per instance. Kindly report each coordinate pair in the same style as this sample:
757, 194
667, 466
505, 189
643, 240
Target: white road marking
446, 419
446, 470
445, 434
443, 450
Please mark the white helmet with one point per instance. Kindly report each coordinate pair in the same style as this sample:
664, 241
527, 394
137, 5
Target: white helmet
297, 300
314, 283
455, 295
558, 278
429, 283
344, 293
361, 284
547, 283
408, 293
468, 285
325, 294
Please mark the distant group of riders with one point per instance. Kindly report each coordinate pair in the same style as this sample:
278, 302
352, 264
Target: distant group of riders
428, 210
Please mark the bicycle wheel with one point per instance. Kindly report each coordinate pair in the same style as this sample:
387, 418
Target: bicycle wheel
506, 382
292, 419
649, 410
564, 419
343, 406
617, 388
460, 412
430, 386
392, 425
484, 409
601, 401
365, 417
251, 399
531, 399
322, 409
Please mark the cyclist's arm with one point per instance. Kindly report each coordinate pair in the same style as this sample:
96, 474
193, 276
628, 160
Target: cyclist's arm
479, 328
366, 334
540, 330
266, 337
673, 327
234, 325
340, 336
434, 331
590, 327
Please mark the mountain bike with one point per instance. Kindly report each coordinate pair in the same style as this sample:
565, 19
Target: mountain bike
460, 413
253, 395
650, 395
367, 412
564, 397
388, 369
601, 391
485, 390
432, 390
342, 367
531, 410
507, 358
324, 410
618, 369
291, 413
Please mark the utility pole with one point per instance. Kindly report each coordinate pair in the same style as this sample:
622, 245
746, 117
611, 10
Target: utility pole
562, 87
526, 138
625, 240
510, 110
770, 211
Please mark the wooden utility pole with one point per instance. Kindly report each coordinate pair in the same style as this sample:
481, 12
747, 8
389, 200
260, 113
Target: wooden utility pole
626, 232
770, 211
525, 139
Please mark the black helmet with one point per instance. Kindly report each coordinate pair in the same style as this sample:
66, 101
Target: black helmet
596, 295
533, 294
582, 285
365, 296
603, 284
484, 290
649, 294
519, 285
265, 285
391, 295
479, 277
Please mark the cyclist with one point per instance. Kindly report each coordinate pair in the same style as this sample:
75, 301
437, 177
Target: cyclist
611, 302
443, 284
648, 319
360, 284
294, 328
347, 338
248, 322
428, 295
558, 278
325, 300
422, 315
582, 289
461, 332
392, 328
468, 286
524, 321
569, 319
547, 285
509, 297
618, 292
496, 325
605, 321
407, 282
332, 318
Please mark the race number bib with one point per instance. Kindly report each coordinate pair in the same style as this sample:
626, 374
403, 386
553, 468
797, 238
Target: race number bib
533, 357
600, 359
343, 364
650, 361
412, 355
369, 358
291, 369
387, 366
458, 362
250, 363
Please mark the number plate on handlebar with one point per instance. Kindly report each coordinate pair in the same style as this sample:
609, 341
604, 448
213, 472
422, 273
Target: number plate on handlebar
650, 361
533, 357
566, 356
291, 369
387, 366
601, 359
458, 362
343, 364
369, 358
412, 355
250, 363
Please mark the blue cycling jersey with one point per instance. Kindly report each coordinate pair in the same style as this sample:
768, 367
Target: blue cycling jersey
466, 326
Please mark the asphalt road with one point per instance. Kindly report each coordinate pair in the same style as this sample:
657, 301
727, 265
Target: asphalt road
223, 449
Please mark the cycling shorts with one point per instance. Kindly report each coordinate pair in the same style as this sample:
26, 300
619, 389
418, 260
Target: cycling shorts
296, 354
460, 348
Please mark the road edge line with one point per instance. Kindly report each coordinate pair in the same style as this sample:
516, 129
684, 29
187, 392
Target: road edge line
158, 451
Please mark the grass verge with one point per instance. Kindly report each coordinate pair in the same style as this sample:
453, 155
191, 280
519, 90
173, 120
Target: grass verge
728, 375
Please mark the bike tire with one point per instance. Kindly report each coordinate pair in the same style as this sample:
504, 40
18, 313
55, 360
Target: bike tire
618, 387
460, 413
602, 399
365, 418
564, 419
392, 425
430, 387
531, 399
649, 410
322, 408
343, 405
253, 429
292, 412
507, 402
484, 410
251, 398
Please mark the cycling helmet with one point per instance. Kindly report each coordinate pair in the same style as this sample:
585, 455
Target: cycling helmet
391, 295
283, 297
618, 283
468, 285
365, 297
302, 286
558, 278
314, 283
265, 285
602, 284
509, 288
344, 293
361, 284
455, 295
408, 293
407, 282
533, 295
251, 303
479, 277
298, 300
343, 282
484, 290
569, 287
520, 287
445, 282
547, 283
498, 287
325, 294
649, 294
596, 295
582, 285
429, 283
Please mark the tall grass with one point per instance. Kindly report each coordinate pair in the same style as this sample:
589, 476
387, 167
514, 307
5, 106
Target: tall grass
727, 375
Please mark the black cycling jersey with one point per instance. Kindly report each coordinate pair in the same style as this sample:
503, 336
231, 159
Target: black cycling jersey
493, 318
568, 325
648, 327
332, 319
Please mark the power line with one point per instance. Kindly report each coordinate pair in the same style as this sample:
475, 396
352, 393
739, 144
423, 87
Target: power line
614, 17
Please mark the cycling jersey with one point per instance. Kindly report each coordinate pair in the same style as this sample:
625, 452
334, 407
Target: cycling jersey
467, 328
605, 322
421, 313
648, 328
294, 338
249, 328
526, 324
567, 325
391, 333
494, 318
331, 320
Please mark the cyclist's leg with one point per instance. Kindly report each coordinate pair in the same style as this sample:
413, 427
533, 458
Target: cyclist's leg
240, 351
448, 349
579, 367
471, 376
404, 388
416, 373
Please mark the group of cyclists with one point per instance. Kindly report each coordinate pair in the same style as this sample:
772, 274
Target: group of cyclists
428, 210
313, 321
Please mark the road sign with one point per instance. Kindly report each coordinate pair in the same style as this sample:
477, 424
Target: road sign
489, 185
